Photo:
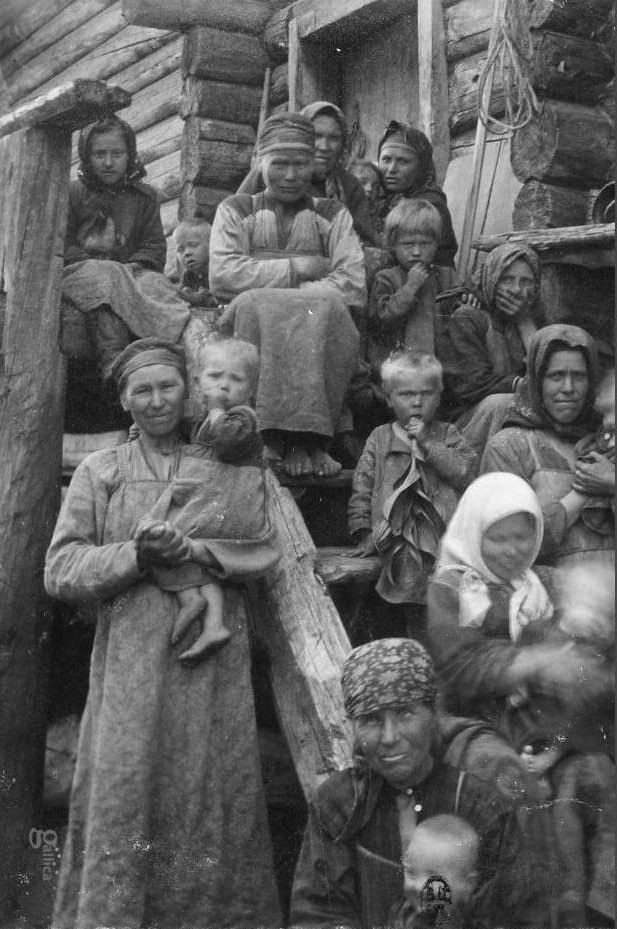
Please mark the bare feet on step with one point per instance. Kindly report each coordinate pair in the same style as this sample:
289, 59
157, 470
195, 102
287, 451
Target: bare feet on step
323, 464
205, 644
297, 462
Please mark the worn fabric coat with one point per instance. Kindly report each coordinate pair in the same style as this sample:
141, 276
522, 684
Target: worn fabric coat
167, 825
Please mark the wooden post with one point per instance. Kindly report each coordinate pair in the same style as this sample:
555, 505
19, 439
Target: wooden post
36, 164
433, 83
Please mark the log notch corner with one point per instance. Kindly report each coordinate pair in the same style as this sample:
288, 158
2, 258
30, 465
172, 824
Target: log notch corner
34, 202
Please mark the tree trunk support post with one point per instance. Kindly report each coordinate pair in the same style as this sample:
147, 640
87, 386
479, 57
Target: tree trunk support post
33, 213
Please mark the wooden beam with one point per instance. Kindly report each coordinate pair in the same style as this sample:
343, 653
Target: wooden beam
217, 100
74, 105
547, 206
348, 15
467, 28
593, 235
336, 565
238, 16
433, 83
224, 56
32, 17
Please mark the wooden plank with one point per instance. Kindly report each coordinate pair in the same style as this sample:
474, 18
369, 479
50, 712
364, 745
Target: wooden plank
433, 83
66, 51
217, 130
155, 102
224, 56
467, 28
313, 70
31, 17
72, 105
161, 139
169, 215
166, 175
306, 646
279, 85
591, 236
336, 565
569, 67
79, 12
350, 16
546, 206
156, 65
210, 162
463, 92
240, 16
217, 100
200, 202
555, 145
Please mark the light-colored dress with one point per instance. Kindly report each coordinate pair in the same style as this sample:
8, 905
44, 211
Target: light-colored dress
167, 822
305, 333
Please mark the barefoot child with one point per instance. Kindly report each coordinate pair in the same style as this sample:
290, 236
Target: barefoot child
229, 434
192, 240
407, 483
441, 874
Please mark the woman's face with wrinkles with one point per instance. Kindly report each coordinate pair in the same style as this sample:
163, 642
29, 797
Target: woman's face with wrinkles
516, 289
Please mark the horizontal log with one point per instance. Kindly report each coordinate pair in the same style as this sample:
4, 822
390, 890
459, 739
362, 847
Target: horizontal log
568, 143
70, 106
217, 130
200, 202
154, 103
169, 215
575, 17
154, 66
240, 16
165, 175
601, 207
279, 85
463, 77
275, 36
546, 206
29, 20
598, 234
210, 162
128, 49
467, 26
66, 51
569, 67
338, 566
79, 12
224, 56
582, 296
216, 100
161, 139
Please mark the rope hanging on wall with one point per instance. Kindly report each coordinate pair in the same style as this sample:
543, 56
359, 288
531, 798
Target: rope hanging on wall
509, 56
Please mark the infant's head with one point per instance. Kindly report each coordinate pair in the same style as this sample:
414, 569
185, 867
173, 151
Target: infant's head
412, 383
192, 240
441, 860
368, 175
229, 373
412, 232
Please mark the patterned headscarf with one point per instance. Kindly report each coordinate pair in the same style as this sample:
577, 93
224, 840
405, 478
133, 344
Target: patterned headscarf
144, 352
387, 673
528, 409
286, 130
497, 262
135, 169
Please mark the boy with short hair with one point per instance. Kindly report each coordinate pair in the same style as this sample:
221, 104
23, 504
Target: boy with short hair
408, 480
402, 302
192, 241
228, 434
440, 875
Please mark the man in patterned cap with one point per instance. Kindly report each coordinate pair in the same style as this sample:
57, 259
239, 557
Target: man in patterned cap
349, 873
292, 267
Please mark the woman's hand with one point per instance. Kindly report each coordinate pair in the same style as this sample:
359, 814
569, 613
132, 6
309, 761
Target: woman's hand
169, 548
310, 267
594, 476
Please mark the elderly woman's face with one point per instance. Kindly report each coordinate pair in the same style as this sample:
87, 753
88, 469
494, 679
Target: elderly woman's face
565, 386
398, 165
516, 289
154, 396
287, 174
328, 144
396, 742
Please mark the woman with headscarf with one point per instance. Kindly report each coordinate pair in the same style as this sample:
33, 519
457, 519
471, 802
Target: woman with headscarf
551, 411
167, 823
405, 161
501, 657
483, 348
349, 873
292, 267
114, 249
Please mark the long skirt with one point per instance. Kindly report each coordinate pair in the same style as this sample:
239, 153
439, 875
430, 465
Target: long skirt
308, 347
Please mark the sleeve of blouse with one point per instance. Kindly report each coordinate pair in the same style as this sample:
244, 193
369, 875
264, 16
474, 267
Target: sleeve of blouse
347, 271
232, 270
78, 568
152, 249
359, 508
469, 371
387, 307
452, 457
471, 666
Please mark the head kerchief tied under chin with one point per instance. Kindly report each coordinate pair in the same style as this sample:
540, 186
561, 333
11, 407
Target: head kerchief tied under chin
387, 673
144, 352
287, 130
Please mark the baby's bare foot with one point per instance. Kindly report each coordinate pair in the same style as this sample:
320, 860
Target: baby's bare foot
207, 643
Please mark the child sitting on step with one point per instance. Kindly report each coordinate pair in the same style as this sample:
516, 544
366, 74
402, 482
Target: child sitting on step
192, 241
229, 435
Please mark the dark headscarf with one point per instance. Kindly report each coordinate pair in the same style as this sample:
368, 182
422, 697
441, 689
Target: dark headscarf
135, 169
421, 147
527, 409
144, 352
387, 673
498, 261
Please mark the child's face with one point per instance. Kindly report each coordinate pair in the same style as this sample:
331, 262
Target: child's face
369, 180
508, 545
414, 248
413, 394
432, 856
109, 157
225, 381
193, 248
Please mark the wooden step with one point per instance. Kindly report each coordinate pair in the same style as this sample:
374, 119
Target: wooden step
337, 565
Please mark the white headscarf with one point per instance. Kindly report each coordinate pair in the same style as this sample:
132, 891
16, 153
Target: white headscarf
489, 499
